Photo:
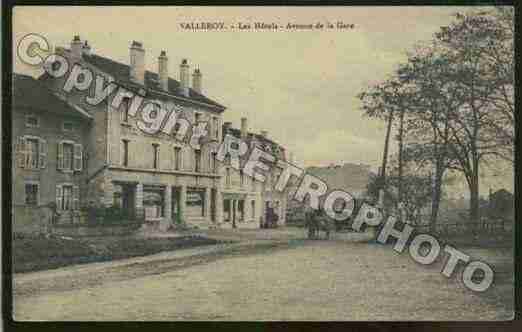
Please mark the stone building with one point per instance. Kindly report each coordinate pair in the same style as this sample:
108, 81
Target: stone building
48, 136
97, 155
245, 200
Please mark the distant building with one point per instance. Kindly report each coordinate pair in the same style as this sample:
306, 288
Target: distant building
351, 178
501, 204
245, 200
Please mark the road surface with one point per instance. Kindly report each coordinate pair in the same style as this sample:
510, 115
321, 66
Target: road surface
306, 280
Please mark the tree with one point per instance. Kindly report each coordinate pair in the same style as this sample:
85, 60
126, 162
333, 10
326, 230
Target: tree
383, 101
453, 104
466, 46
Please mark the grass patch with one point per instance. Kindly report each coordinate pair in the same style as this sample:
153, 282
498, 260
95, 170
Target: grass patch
40, 253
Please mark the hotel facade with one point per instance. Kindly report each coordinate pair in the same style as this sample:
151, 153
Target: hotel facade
79, 155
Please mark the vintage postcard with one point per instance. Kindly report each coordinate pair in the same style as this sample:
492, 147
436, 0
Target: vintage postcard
262, 163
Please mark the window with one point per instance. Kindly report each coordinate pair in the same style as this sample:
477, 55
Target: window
66, 197
177, 158
197, 160
241, 178
32, 121
155, 149
228, 177
125, 146
195, 202
228, 159
215, 127
154, 202
70, 156
197, 117
31, 194
31, 152
67, 126
253, 209
33, 149
68, 151
124, 109
213, 162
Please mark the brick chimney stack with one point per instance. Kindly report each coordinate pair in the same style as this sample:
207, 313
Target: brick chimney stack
196, 80
137, 63
163, 71
244, 128
184, 78
76, 48
86, 48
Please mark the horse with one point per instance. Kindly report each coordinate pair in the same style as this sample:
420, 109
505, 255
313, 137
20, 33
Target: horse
316, 222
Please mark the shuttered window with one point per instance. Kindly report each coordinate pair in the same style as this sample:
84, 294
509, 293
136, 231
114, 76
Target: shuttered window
70, 156
68, 150
31, 152
67, 197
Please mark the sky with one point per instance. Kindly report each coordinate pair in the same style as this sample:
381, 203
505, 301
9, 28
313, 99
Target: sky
300, 86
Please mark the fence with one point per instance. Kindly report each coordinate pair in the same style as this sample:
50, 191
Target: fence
490, 226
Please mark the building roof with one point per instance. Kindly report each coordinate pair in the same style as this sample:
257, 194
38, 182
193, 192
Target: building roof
33, 94
275, 147
121, 73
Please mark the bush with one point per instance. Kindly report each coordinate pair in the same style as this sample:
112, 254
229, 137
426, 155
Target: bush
113, 215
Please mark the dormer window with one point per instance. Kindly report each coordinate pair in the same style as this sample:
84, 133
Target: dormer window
32, 121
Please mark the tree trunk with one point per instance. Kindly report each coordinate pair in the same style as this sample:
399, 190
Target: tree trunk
385, 155
400, 138
474, 206
437, 191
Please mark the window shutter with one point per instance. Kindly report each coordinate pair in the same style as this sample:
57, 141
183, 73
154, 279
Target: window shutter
76, 197
60, 156
42, 162
21, 152
78, 157
59, 197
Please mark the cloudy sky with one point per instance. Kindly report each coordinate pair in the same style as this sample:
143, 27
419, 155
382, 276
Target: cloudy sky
301, 86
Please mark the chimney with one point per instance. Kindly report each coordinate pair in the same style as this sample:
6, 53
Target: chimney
76, 48
163, 71
196, 80
264, 133
184, 78
137, 63
86, 48
244, 128
226, 127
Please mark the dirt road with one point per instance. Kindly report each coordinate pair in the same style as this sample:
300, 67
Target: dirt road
305, 280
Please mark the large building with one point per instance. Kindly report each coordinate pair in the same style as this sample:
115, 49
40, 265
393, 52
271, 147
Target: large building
245, 200
76, 154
